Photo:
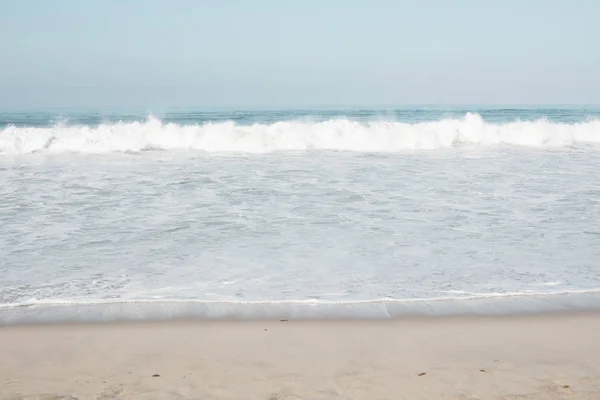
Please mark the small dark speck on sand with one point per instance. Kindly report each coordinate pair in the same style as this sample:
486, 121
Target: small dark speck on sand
421, 374
566, 386
265, 330
283, 320
482, 370
155, 375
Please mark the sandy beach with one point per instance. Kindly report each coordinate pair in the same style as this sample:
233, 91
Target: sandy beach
521, 357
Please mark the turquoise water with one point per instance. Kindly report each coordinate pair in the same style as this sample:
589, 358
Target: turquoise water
422, 114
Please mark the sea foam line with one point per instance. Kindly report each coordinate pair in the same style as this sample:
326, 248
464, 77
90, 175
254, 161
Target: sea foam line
470, 296
55, 311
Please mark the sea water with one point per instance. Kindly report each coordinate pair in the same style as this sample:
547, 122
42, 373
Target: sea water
367, 213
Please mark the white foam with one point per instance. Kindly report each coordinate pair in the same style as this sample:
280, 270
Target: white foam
335, 134
150, 310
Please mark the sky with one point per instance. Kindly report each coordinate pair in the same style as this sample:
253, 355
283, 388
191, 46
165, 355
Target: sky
310, 53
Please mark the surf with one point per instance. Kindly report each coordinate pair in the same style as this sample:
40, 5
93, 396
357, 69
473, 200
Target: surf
338, 134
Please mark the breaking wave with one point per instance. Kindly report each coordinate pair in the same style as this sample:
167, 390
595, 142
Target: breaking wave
336, 134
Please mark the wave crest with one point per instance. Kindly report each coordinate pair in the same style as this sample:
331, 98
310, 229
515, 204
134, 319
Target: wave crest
335, 134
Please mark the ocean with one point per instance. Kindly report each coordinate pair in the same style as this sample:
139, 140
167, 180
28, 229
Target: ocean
349, 213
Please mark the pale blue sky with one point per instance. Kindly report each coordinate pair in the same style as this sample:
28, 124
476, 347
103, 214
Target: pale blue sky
275, 53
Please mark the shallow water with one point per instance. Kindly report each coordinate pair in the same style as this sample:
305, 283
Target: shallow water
329, 211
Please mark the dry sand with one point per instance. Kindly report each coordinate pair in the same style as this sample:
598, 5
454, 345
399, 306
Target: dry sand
539, 357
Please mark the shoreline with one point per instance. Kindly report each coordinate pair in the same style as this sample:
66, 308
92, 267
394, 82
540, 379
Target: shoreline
383, 309
543, 356
409, 318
